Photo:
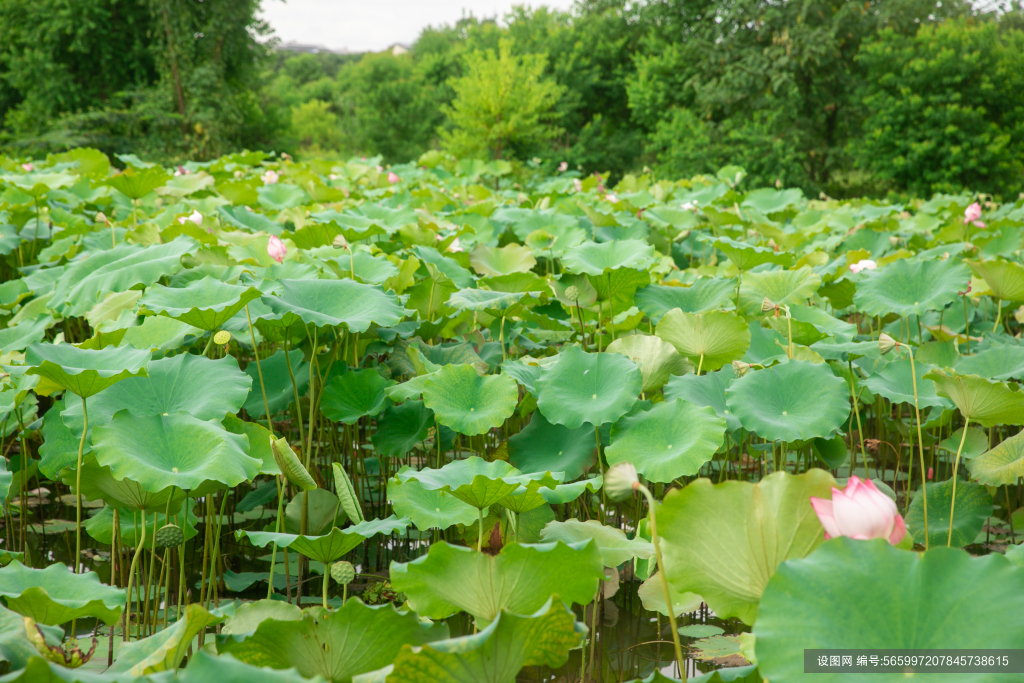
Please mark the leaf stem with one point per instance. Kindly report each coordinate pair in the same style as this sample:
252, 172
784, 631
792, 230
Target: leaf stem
956, 466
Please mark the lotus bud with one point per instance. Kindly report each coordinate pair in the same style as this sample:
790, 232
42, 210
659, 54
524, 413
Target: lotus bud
621, 481
767, 306
455, 246
863, 264
393, 177
740, 368
343, 572
861, 512
886, 343
572, 292
28, 168
222, 337
276, 249
340, 242
563, 167
101, 218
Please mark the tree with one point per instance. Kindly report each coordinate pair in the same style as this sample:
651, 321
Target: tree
503, 106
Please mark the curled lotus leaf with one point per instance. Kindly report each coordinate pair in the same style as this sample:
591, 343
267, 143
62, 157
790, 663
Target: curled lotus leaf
329, 547
611, 541
206, 304
56, 595
474, 481
984, 401
85, 372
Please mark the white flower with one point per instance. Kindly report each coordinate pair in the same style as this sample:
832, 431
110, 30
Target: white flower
270, 177
863, 264
195, 217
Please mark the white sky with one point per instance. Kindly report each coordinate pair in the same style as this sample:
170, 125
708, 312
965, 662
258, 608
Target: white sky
373, 25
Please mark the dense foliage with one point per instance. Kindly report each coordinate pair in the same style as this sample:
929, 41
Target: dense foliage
264, 419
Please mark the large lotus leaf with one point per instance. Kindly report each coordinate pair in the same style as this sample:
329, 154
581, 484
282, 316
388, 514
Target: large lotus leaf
259, 442
617, 289
206, 304
56, 595
984, 401
705, 390
336, 644
248, 616
428, 509
706, 294
924, 602
333, 303
15, 647
785, 287
175, 384
99, 484
895, 383
709, 340
566, 493
322, 512
530, 493
494, 655
117, 270
611, 541
164, 650
521, 578
39, 670
594, 258
281, 196
400, 428
159, 451
545, 447
973, 507
796, 400
974, 444
483, 300
725, 542
588, 387
101, 525
348, 397
329, 547
652, 595
136, 183
467, 403
1004, 278
493, 261
658, 360
1002, 465
910, 287
276, 381
205, 667
745, 256
473, 480
672, 439
84, 372
998, 362
25, 334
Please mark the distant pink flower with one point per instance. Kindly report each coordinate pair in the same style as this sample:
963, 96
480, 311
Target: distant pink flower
931, 473
195, 217
393, 177
863, 264
577, 184
860, 512
28, 168
563, 167
610, 198
971, 215
455, 246
276, 249
182, 171
270, 177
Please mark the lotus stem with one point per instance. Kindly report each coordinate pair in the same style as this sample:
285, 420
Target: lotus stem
920, 447
273, 552
501, 338
259, 370
131, 575
700, 364
999, 314
181, 555
78, 490
327, 576
967, 330
956, 466
480, 540
611, 312
209, 345
789, 324
856, 411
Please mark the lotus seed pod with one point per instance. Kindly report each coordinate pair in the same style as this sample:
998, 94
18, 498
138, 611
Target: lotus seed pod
340, 242
767, 306
621, 481
169, 536
886, 343
222, 337
740, 368
572, 292
343, 572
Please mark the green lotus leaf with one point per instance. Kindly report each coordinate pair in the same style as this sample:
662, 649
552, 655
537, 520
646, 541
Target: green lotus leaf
746, 256
724, 542
16, 648
290, 465
329, 547
585, 294
973, 508
333, 303
832, 452
493, 261
670, 440
658, 360
248, 616
998, 362
347, 494
521, 578
981, 400
468, 403
783, 287
974, 444
911, 287
160, 451
483, 300
56, 595
322, 513
336, 644
205, 667
796, 400
281, 196
401, 427
706, 294
611, 541
276, 381
410, 389
348, 397
527, 370
530, 493
6, 477
428, 509
594, 258
824, 322
1004, 278
136, 183
117, 270
566, 493
99, 484
705, 390
158, 332
23, 335
652, 595
709, 340
923, 603
206, 304
259, 442
1000, 466
474, 481
545, 447
494, 655
164, 650
101, 525
802, 333
84, 372
588, 387
895, 383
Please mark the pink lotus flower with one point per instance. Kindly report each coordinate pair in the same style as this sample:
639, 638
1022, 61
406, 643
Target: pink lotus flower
863, 264
612, 199
577, 184
28, 168
563, 167
270, 177
276, 249
393, 177
971, 215
860, 512
455, 246
195, 217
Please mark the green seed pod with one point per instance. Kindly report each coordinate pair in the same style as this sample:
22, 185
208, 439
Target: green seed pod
343, 572
572, 292
169, 536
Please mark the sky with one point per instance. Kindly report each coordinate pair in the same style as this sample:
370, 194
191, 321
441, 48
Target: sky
373, 25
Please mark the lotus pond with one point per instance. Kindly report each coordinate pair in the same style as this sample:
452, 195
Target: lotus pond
270, 420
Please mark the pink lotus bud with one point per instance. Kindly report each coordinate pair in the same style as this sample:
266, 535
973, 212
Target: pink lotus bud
931, 473
861, 512
270, 177
276, 249
455, 246
195, 217
972, 213
563, 167
393, 177
863, 264
28, 168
